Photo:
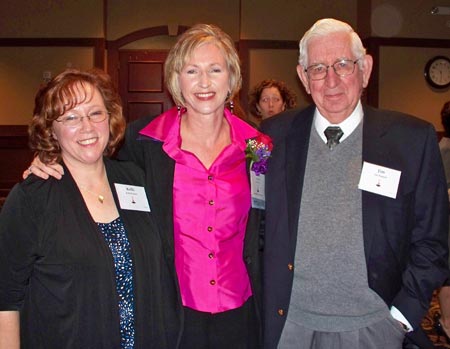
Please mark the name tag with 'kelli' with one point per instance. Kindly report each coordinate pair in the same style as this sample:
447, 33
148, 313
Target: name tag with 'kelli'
132, 197
379, 180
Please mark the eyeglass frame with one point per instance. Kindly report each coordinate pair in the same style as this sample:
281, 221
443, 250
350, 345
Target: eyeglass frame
89, 116
333, 66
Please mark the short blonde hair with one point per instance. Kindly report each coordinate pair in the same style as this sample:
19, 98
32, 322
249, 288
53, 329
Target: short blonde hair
59, 95
191, 39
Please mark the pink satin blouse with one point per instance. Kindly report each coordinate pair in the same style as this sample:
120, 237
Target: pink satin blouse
211, 209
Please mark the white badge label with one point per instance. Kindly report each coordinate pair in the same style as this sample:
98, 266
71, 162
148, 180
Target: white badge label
132, 197
257, 187
379, 180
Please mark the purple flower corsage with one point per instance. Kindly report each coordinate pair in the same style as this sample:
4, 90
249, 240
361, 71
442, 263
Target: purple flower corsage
258, 150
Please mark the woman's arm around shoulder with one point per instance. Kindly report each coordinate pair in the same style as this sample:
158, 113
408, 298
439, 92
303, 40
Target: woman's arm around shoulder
9, 330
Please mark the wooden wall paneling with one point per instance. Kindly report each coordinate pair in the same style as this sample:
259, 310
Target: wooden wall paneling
15, 156
141, 83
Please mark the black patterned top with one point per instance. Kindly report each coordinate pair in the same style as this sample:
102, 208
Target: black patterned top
117, 240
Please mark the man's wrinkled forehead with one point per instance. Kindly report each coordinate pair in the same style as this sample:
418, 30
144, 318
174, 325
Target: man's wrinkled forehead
330, 48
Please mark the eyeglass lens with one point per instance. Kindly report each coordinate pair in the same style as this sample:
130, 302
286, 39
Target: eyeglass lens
342, 68
75, 119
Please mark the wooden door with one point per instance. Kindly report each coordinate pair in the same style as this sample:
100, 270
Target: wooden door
141, 83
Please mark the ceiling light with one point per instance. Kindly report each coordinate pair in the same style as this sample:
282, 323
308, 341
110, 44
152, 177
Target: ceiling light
440, 10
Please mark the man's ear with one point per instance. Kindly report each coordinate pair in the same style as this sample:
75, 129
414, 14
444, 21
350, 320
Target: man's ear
367, 69
303, 78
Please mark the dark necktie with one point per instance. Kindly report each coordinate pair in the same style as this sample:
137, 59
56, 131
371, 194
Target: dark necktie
333, 134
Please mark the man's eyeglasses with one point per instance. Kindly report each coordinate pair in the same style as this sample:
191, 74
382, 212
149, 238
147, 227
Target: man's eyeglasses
342, 67
74, 119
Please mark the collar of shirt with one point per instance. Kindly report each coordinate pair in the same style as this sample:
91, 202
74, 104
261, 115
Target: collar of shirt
166, 128
347, 126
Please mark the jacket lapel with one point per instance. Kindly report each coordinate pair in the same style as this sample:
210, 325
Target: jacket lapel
297, 143
374, 152
160, 174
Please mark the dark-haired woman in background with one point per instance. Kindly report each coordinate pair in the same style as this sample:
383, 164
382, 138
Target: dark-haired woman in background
270, 97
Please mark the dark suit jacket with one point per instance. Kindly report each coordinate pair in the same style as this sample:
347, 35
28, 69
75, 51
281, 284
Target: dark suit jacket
405, 239
159, 169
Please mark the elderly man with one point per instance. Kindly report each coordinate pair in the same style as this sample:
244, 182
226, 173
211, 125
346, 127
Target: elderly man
356, 210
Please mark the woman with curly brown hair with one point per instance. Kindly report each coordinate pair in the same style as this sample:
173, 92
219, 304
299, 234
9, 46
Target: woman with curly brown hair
81, 262
270, 97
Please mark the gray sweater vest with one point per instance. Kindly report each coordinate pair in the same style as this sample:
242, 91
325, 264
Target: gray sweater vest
330, 291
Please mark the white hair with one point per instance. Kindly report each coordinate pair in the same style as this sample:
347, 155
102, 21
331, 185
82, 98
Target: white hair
327, 26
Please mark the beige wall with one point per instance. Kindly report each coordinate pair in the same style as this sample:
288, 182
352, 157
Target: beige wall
281, 66
289, 19
19, 80
403, 84
51, 19
409, 19
125, 17
21, 69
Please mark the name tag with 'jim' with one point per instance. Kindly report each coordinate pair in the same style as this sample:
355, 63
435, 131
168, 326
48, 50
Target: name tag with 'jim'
379, 180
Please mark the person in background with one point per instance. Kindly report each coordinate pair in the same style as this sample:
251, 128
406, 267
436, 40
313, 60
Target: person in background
81, 267
444, 144
442, 321
271, 97
356, 210
194, 157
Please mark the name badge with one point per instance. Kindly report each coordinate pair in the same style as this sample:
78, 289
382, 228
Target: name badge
379, 180
257, 184
132, 197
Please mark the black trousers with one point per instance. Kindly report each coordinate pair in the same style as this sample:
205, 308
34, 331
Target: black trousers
232, 329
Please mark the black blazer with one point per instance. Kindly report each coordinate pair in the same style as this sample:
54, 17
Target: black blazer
159, 169
405, 239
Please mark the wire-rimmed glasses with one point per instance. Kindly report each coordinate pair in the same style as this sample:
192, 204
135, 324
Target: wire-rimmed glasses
342, 67
74, 119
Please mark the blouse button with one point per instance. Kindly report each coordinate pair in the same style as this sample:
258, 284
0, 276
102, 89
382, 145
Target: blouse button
210, 178
210, 229
211, 255
212, 282
211, 202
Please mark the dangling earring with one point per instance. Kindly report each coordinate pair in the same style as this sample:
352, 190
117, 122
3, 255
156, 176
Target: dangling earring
178, 108
230, 102
232, 106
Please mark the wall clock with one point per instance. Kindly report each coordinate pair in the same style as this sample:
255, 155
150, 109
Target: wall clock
437, 72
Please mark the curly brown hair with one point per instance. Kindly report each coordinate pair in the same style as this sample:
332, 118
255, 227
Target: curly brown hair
288, 96
445, 118
60, 95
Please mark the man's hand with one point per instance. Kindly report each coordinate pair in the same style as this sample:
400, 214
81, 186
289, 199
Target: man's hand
39, 169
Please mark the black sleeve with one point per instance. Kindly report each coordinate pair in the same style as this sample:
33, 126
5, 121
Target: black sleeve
19, 241
132, 148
